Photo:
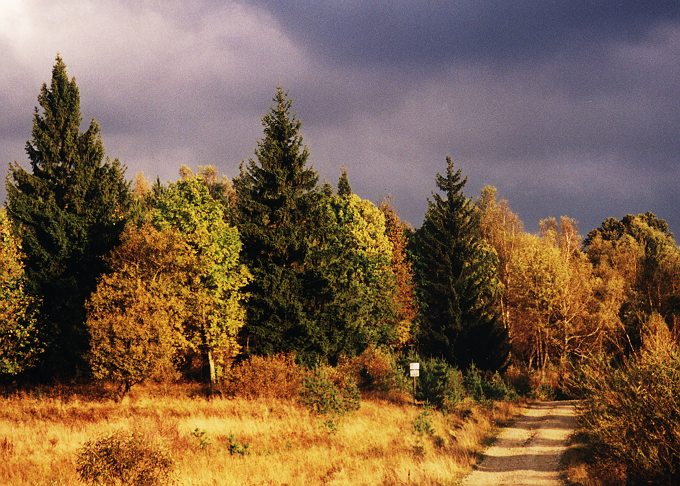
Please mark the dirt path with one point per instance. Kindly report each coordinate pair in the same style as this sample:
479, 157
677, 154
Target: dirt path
528, 452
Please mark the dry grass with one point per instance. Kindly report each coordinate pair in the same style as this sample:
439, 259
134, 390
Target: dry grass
41, 433
581, 467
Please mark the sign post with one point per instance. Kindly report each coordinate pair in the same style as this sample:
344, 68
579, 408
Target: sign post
414, 369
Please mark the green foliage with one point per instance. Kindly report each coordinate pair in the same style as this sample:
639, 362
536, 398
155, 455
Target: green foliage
327, 393
276, 193
69, 210
19, 344
349, 277
344, 189
439, 384
485, 386
237, 448
123, 458
422, 428
213, 294
422, 424
201, 437
632, 411
457, 281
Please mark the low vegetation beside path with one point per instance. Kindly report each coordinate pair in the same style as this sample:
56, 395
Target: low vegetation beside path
241, 441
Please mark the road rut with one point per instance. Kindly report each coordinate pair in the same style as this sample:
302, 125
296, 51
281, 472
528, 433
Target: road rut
528, 452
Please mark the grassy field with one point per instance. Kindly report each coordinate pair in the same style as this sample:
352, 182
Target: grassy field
41, 432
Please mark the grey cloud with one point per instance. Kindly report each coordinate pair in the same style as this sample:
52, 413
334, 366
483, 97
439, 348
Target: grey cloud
566, 110
416, 34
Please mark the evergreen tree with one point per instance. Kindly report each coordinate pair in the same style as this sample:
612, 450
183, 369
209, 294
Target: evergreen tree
349, 276
457, 281
344, 189
70, 211
275, 194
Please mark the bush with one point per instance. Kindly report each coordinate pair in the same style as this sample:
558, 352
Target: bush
236, 447
277, 376
482, 387
546, 384
326, 391
518, 378
375, 371
123, 458
632, 411
439, 384
422, 427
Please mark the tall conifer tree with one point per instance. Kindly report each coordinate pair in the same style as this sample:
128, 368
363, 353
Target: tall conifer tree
70, 210
457, 281
349, 279
276, 193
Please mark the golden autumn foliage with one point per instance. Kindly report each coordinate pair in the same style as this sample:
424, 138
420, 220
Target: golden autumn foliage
551, 296
135, 317
630, 409
19, 344
405, 299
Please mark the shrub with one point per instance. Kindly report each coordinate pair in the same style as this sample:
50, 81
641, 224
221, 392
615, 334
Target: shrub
375, 371
326, 391
439, 384
277, 376
518, 378
482, 387
545, 384
201, 437
632, 411
422, 427
123, 458
237, 448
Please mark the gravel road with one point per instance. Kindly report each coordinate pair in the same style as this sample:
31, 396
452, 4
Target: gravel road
528, 452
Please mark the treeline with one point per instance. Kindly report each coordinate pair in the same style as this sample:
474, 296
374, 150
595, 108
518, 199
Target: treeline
122, 282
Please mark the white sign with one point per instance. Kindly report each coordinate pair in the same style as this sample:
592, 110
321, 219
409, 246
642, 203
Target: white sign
414, 369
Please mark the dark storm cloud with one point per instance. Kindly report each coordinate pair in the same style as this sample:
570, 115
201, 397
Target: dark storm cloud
550, 101
567, 107
415, 33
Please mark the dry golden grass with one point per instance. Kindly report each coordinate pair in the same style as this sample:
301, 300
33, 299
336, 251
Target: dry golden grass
41, 433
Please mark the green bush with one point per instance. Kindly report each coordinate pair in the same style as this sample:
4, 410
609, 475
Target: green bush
439, 384
123, 458
482, 387
325, 391
422, 427
237, 448
631, 411
201, 437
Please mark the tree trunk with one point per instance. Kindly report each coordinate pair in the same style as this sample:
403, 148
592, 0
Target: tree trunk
212, 369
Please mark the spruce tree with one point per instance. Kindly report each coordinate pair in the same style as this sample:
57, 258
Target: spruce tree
70, 210
276, 192
349, 277
457, 281
344, 189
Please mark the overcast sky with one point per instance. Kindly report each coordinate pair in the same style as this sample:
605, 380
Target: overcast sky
567, 107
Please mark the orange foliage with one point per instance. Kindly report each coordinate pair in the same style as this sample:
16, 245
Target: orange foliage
405, 300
